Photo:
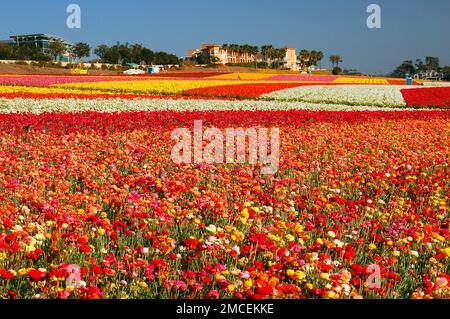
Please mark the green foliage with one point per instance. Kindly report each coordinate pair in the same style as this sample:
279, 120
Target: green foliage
432, 63
6, 51
81, 50
57, 48
406, 68
337, 70
351, 72
136, 53
203, 57
22, 52
310, 58
446, 71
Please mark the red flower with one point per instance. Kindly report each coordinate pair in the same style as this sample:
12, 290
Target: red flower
213, 294
7, 222
6, 274
85, 249
37, 275
349, 254
191, 243
264, 290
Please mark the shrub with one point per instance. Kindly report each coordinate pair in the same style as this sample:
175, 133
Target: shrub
337, 70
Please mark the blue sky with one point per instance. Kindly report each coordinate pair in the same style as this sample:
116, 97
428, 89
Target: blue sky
410, 28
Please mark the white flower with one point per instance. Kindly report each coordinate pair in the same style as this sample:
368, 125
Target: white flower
39, 237
124, 105
370, 95
212, 229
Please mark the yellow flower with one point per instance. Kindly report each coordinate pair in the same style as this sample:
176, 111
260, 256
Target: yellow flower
140, 87
438, 237
231, 288
290, 272
372, 246
101, 231
23, 271
348, 80
239, 236
248, 284
300, 275
331, 295
289, 237
143, 284
299, 228
324, 276
447, 251
245, 213
220, 277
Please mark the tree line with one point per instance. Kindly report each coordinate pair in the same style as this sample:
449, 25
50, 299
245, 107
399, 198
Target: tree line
136, 53
29, 51
116, 54
409, 67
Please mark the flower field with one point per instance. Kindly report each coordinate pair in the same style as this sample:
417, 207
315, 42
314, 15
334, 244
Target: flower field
318, 89
93, 206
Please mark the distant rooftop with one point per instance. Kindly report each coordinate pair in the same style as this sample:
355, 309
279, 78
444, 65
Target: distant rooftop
39, 36
43, 35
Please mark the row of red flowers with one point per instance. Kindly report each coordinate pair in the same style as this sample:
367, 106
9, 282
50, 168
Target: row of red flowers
168, 120
438, 96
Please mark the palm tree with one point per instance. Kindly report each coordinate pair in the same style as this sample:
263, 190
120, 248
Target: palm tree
266, 51
319, 57
233, 48
279, 55
304, 57
335, 60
